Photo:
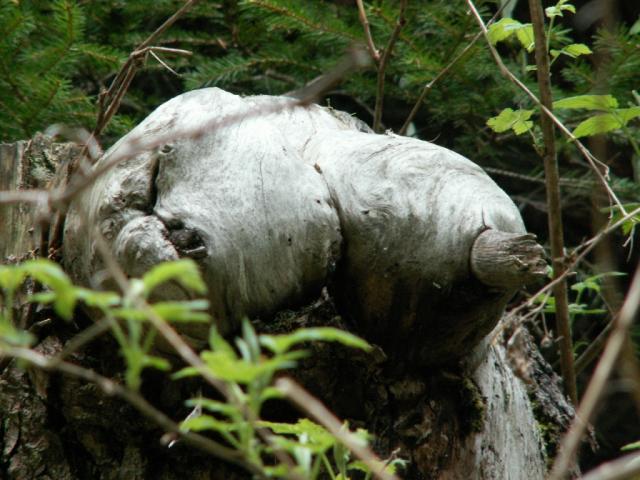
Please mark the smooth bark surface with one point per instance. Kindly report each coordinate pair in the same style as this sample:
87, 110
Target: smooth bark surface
282, 200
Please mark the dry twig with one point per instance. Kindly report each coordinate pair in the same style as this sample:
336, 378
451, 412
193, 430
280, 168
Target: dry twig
382, 66
362, 14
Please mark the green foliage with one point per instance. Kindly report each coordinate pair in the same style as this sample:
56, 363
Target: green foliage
246, 371
42, 46
517, 121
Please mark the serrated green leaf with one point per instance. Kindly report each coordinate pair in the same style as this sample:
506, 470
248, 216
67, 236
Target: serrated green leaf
507, 119
558, 9
502, 29
207, 422
576, 49
587, 102
598, 124
316, 435
51, 275
282, 343
183, 311
11, 276
214, 406
183, 271
525, 35
13, 336
98, 299
627, 114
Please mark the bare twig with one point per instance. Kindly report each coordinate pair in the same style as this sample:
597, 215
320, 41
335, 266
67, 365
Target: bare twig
362, 14
595, 164
556, 232
382, 66
313, 407
592, 395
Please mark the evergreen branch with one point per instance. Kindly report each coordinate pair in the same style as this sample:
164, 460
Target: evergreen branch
282, 11
427, 88
377, 117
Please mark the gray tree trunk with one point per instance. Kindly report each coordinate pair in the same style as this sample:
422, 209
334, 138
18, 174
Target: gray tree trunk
468, 417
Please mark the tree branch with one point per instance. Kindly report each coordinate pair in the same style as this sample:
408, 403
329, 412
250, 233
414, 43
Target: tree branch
362, 14
382, 67
556, 232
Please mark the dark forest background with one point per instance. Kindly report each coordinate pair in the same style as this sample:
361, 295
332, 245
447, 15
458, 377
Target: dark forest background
57, 56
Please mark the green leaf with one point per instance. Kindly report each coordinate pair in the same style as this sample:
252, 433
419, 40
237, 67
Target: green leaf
635, 28
598, 124
51, 275
223, 366
317, 436
574, 50
503, 29
11, 276
525, 35
507, 119
183, 311
282, 343
214, 406
556, 11
627, 114
207, 422
98, 299
183, 271
13, 336
588, 102
631, 446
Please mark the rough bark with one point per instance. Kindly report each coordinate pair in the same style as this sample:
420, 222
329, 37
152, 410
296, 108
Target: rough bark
444, 419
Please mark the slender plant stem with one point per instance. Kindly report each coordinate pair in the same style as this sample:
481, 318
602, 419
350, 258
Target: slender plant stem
313, 407
586, 410
371, 46
552, 179
382, 66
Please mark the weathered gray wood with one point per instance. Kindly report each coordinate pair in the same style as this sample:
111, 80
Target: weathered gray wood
26, 165
280, 202
507, 260
113, 440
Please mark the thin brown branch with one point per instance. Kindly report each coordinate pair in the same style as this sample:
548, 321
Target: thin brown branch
599, 379
382, 67
556, 232
362, 14
594, 163
314, 408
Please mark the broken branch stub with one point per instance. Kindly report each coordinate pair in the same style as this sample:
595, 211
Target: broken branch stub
507, 260
287, 199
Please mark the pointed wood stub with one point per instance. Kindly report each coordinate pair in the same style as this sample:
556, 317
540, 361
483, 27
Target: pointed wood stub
507, 260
